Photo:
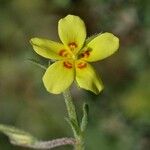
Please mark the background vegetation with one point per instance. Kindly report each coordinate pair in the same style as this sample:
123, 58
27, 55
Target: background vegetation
120, 115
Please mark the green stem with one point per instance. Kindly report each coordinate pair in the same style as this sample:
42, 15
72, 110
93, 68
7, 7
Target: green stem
73, 121
80, 143
70, 106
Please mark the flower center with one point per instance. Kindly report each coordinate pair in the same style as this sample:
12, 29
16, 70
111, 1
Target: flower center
67, 54
71, 57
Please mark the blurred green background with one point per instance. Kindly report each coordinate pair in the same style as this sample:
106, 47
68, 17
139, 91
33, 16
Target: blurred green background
120, 115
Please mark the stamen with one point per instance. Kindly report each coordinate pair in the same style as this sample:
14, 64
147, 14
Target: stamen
81, 65
67, 64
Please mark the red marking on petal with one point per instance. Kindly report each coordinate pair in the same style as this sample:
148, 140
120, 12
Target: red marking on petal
67, 64
72, 45
63, 53
81, 65
85, 54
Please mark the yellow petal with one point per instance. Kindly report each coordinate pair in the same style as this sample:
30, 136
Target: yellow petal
101, 47
59, 76
72, 32
87, 78
47, 48
90, 38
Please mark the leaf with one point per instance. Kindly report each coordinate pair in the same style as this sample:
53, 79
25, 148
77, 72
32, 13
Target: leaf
21, 138
17, 136
84, 121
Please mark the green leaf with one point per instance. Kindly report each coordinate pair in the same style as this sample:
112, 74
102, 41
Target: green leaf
84, 121
21, 138
37, 63
17, 136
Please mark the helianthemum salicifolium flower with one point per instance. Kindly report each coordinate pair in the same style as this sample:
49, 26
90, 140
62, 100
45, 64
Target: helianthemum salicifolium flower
73, 54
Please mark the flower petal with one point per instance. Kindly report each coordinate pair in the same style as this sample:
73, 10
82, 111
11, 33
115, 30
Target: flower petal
47, 48
59, 76
101, 47
72, 31
90, 38
87, 78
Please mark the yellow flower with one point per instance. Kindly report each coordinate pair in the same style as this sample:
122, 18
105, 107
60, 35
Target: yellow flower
72, 56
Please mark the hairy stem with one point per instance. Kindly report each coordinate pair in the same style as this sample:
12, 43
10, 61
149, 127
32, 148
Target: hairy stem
70, 106
48, 144
79, 145
54, 143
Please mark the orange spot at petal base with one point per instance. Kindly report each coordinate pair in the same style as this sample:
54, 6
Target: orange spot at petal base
72, 45
67, 64
85, 54
63, 53
82, 65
